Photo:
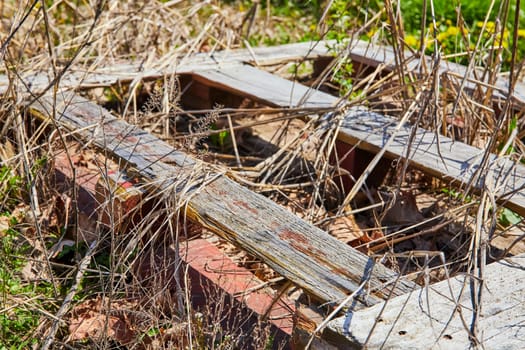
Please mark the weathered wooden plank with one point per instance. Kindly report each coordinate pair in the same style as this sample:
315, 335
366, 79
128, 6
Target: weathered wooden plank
378, 55
359, 51
440, 316
265, 87
266, 56
125, 72
306, 255
437, 155
208, 266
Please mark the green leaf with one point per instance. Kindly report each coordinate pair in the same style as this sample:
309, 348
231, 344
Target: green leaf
507, 217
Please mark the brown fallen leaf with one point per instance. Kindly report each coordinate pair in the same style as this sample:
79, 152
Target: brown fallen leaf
345, 229
401, 209
348, 231
89, 320
4, 224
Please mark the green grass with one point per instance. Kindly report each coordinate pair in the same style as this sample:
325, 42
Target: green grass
458, 24
19, 319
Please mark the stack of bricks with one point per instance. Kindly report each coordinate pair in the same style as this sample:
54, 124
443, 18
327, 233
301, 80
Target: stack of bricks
115, 198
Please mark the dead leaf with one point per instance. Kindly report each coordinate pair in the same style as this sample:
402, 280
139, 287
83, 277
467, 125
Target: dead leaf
345, 229
403, 210
90, 321
36, 268
4, 224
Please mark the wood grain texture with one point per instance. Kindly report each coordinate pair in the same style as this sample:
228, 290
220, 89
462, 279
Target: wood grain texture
84, 78
438, 317
359, 51
302, 253
265, 87
377, 55
439, 156
434, 154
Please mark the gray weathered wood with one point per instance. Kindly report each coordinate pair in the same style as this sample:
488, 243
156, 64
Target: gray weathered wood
265, 87
80, 78
430, 318
304, 254
378, 55
359, 51
437, 155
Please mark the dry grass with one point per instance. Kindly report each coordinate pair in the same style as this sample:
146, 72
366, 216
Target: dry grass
47, 288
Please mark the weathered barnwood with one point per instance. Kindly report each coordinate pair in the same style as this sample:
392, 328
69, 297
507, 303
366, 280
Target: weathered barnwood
359, 51
437, 155
440, 316
373, 55
265, 87
304, 254
90, 77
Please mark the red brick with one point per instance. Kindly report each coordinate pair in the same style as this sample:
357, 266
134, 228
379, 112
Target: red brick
212, 264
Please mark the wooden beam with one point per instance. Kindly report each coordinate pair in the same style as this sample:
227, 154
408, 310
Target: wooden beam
438, 156
265, 87
85, 78
372, 55
440, 316
304, 254
208, 266
359, 51
434, 154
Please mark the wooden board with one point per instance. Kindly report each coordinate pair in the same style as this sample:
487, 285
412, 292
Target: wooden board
304, 254
430, 318
84, 78
264, 87
378, 55
437, 155
359, 51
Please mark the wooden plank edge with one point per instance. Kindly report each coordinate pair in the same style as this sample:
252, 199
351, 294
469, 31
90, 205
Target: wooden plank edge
78, 79
374, 55
441, 316
427, 157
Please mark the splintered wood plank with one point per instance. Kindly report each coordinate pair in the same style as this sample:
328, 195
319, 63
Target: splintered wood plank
440, 316
304, 254
437, 155
434, 154
265, 87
